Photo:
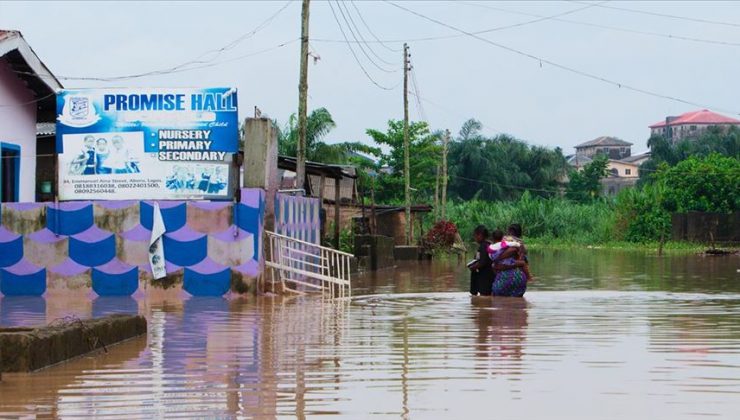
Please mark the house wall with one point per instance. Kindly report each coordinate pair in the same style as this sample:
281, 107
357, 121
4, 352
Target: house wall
613, 185
612, 152
622, 168
80, 247
18, 127
684, 131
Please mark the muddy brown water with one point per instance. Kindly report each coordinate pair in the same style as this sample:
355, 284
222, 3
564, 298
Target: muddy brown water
599, 334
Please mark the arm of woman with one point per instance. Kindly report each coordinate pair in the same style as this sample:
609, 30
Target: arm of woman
509, 253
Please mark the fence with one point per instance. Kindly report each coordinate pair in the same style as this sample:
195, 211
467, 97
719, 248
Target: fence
307, 266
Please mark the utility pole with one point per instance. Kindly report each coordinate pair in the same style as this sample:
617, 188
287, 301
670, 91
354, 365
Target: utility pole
406, 165
436, 194
302, 99
445, 142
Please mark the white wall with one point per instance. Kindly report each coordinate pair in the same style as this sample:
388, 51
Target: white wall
18, 126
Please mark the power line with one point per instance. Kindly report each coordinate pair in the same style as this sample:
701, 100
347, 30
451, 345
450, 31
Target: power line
359, 33
556, 64
29, 102
494, 29
184, 66
645, 12
349, 45
237, 58
607, 27
556, 18
382, 43
362, 44
417, 94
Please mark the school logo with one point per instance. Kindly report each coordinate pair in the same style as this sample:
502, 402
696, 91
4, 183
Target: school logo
79, 107
78, 111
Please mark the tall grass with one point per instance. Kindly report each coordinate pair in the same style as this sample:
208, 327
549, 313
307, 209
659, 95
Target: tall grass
547, 220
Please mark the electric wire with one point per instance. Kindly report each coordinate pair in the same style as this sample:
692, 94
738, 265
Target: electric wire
237, 58
601, 26
417, 95
558, 65
664, 15
372, 33
357, 60
361, 44
359, 33
182, 66
494, 29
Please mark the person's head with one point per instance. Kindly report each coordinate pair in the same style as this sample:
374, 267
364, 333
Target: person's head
480, 233
497, 235
117, 142
101, 145
515, 229
89, 142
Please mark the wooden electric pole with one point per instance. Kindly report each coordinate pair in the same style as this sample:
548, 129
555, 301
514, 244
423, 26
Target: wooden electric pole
406, 165
445, 142
436, 194
302, 100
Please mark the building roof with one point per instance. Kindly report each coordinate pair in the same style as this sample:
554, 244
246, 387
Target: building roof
28, 67
315, 168
635, 158
604, 141
46, 129
578, 159
703, 116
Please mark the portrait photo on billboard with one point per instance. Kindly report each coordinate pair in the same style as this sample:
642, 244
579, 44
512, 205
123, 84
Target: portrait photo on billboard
102, 153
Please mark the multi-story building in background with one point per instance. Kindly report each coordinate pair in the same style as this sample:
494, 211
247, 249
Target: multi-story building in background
691, 125
622, 166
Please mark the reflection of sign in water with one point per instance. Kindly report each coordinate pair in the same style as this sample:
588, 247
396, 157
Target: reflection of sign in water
146, 143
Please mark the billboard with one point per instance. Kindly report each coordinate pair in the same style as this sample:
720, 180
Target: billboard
163, 144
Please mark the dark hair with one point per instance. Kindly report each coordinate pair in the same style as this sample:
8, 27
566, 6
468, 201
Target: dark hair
480, 229
497, 235
515, 229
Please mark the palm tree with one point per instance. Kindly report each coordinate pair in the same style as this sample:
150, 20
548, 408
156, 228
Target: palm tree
319, 124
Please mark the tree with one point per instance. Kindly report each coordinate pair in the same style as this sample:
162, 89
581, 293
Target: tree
725, 142
502, 167
425, 155
707, 184
319, 124
585, 185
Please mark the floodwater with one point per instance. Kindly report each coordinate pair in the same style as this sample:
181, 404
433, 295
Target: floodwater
600, 334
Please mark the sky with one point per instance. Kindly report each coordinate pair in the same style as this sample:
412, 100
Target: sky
458, 77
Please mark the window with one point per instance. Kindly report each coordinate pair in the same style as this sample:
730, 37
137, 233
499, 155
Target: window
614, 171
10, 166
692, 128
628, 171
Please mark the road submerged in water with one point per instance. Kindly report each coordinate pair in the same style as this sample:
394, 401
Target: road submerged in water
600, 334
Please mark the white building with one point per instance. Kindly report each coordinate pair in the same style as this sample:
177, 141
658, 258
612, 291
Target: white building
27, 96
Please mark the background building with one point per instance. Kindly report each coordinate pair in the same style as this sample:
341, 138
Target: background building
691, 125
622, 167
27, 96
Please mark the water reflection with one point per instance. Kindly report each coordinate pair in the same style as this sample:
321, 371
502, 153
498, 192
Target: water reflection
502, 324
17, 311
417, 348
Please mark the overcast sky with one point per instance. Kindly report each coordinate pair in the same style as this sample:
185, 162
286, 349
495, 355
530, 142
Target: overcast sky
459, 77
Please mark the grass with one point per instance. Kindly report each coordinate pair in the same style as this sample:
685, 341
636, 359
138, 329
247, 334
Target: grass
669, 247
557, 223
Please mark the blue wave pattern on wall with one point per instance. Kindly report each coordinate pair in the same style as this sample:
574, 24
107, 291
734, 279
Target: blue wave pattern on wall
111, 240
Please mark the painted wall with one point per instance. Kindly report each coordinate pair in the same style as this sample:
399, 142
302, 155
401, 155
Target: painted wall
18, 127
211, 248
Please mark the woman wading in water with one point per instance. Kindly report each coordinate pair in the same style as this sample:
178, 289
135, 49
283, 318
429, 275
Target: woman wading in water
509, 257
